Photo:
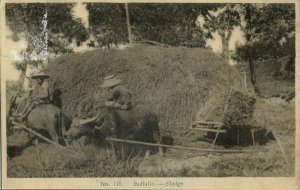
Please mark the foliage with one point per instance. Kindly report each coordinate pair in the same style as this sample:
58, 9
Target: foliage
224, 20
171, 24
107, 24
271, 31
267, 28
44, 26
47, 28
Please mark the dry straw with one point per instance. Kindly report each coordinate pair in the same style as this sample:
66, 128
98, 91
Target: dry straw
173, 82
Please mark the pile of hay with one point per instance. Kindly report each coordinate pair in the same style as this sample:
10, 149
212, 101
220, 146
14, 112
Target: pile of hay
173, 82
232, 107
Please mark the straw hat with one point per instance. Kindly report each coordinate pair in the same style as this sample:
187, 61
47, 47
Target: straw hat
40, 75
110, 81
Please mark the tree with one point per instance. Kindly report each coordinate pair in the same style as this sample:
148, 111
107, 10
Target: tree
224, 20
270, 33
249, 36
170, 24
43, 26
107, 24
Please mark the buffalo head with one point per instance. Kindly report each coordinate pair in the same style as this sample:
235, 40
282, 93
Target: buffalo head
89, 127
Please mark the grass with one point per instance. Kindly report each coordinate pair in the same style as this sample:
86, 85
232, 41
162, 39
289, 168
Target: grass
251, 167
47, 161
268, 83
268, 160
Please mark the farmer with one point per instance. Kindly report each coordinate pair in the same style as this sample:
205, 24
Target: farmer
38, 94
119, 96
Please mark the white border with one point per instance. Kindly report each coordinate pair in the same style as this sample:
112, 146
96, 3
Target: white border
274, 183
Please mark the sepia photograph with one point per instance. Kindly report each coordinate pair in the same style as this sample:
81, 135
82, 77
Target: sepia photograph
148, 95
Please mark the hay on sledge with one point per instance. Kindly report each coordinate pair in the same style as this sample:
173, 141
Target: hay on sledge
234, 108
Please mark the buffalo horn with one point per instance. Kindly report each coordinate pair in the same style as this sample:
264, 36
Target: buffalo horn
100, 127
89, 120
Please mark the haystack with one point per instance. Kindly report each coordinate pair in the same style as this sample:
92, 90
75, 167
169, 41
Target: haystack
173, 82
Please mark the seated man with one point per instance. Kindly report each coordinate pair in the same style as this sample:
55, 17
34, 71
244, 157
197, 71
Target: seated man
38, 94
119, 97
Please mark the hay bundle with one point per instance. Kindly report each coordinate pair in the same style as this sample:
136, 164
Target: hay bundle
234, 109
172, 82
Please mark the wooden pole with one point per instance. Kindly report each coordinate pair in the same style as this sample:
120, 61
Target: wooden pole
213, 106
208, 123
238, 136
280, 146
128, 23
253, 137
226, 105
45, 139
245, 81
175, 147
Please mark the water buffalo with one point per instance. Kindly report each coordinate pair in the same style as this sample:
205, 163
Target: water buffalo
43, 118
137, 124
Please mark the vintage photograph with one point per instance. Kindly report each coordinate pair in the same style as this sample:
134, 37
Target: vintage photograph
98, 90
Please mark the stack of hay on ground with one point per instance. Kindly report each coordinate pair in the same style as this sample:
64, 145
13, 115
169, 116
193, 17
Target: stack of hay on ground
234, 109
172, 82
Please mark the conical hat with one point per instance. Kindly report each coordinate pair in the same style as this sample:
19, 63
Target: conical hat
40, 75
110, 81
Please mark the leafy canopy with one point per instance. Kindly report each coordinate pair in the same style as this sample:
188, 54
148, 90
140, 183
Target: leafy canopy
270, 31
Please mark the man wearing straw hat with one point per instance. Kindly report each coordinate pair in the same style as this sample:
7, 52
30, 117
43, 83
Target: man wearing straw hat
38, 94
119, 97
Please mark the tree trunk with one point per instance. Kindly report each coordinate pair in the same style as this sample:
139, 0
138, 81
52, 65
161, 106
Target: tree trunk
22, 78
128, 23
225, 44
250, 52
253, 75
225, 49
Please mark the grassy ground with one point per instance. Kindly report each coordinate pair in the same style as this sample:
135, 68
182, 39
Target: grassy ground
46, 160
268, 82
265, 160
268, 160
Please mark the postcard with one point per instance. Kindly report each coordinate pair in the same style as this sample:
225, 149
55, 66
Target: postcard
150, 94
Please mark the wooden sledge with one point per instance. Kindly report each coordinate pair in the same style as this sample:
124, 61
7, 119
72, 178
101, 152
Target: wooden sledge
206, 126
217, 127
